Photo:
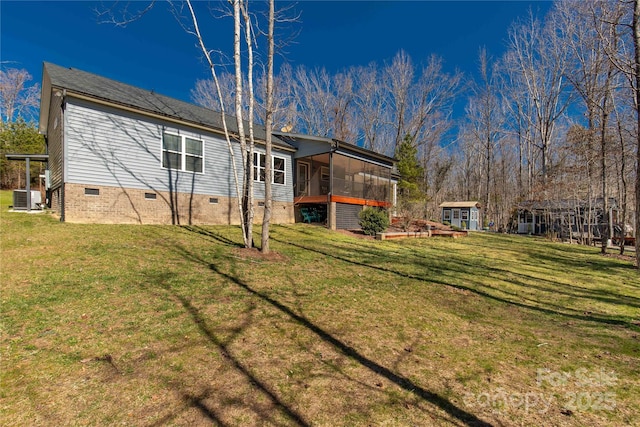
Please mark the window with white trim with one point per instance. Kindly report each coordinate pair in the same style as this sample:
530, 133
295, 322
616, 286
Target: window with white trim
278, 168
474, 215
182, 153
324, 173
446, 215
465, 215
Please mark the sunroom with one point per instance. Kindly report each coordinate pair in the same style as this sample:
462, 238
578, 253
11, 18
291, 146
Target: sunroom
335, 180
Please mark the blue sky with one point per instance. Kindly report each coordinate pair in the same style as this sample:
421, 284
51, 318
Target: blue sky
154, 52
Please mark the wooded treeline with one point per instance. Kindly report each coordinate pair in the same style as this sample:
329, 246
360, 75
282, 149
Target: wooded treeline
19, 102
554, 118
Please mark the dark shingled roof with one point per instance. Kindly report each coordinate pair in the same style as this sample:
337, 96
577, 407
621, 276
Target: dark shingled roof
295, 139
102, 88
566, 204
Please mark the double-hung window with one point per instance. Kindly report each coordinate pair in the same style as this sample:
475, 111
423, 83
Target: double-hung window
277, 168
182, 153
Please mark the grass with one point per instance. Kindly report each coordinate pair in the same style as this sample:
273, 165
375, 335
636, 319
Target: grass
154, 325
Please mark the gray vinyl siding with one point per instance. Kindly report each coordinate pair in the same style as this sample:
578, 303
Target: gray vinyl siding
280, 192
54, 143
112, 147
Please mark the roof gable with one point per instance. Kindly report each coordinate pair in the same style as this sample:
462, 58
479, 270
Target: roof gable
466, 204
327, 144
566, 204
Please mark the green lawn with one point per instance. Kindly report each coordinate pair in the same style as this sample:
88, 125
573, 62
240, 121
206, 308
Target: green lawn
155, 325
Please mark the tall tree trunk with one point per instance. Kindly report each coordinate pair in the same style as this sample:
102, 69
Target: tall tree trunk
603, 160
246, 196
603, 177
249, 209
223, 115
268, 197
622, 185
636, 45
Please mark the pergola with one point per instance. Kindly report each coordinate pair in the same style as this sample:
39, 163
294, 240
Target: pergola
28, 158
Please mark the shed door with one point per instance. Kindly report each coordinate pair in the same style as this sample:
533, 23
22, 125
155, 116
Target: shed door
455, 217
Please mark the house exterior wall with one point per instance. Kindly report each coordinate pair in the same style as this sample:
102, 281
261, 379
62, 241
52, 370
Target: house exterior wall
55, 151
117, 205
119, 153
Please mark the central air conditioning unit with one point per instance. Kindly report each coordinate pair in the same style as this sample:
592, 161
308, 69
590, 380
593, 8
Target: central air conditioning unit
20, 199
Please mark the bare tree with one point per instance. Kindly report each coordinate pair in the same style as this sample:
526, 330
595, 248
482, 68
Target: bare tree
266, 219
205, 93
539, 60
585, 28
518, 108
207, 54
314, 99
242, 22
577, 176
343, 107
432, 98
486, 118
636, 71
625, 56
624, 132
469, 169
370, 102
284, 105
248, 205
17, 98
399, 77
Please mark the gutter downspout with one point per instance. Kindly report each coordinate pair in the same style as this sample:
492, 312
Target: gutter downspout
331, 204
63, 153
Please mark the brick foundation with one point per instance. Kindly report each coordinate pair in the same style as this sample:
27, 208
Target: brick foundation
114, 205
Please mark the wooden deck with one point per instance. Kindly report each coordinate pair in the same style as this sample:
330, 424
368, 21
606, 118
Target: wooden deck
312, 199
420, 234
447, 233
340, 199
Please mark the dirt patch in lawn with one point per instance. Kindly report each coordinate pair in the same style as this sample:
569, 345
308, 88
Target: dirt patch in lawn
628, 258
356, 233
256, 254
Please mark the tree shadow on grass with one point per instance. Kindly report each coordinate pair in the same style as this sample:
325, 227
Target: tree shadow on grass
200, 321
572, 255
401, 381
597, 262
193, 401
438, 270
208, 233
